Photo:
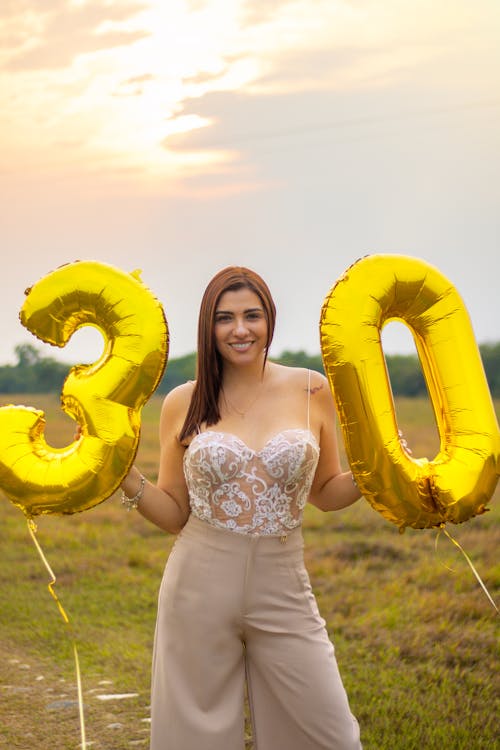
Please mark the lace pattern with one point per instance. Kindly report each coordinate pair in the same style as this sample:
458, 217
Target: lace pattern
237, 488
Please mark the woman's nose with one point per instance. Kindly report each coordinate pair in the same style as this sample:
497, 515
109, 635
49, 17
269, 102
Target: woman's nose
240, 328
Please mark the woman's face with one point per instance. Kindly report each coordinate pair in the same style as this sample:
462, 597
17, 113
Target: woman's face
240, 327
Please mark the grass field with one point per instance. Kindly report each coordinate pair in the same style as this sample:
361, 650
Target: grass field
416, 642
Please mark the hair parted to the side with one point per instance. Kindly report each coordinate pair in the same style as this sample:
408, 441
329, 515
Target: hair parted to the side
204, 406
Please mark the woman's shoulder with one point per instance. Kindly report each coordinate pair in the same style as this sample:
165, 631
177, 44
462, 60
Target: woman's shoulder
301, 376
178, 399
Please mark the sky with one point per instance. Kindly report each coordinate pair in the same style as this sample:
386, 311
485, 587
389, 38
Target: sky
293, 137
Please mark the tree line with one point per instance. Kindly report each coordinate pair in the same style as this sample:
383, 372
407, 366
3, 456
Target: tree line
36, 373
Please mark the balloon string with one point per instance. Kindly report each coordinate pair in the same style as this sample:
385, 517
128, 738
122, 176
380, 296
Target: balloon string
32, 531
469, 561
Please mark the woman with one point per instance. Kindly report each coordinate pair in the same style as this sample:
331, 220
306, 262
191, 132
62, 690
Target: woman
242, 450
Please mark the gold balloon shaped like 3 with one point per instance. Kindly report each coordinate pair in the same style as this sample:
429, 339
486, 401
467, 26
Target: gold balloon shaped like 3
459, 481
105, 397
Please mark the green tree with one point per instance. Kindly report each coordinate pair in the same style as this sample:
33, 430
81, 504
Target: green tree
27, 355
490, 354
406, 375
300, 359
33, 372
178, 371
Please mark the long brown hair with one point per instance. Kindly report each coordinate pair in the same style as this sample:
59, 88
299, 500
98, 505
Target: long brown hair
204, 406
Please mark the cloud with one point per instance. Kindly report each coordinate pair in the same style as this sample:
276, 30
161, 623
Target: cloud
253, 122
255, 12
205, 77
16, 8
382, 84
138, 79
50, 35
134, 86
336, 67
390, 168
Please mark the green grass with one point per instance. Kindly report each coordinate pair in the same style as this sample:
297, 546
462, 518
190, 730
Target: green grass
416, 642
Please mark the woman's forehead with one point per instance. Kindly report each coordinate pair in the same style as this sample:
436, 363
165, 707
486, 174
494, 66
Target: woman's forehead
239, 298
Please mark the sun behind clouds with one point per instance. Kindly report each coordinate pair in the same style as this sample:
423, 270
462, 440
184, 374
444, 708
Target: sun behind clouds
91, 86
100, 85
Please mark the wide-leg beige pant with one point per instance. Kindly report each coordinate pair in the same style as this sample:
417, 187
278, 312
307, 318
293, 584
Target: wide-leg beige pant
233, 606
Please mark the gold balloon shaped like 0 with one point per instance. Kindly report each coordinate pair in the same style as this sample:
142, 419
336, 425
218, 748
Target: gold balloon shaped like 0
416, 492
105, 397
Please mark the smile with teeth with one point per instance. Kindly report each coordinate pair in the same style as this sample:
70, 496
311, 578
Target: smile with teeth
240, 346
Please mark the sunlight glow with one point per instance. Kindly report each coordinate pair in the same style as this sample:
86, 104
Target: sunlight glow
111, 92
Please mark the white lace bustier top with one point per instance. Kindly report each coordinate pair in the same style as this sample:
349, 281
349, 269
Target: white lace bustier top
235, 487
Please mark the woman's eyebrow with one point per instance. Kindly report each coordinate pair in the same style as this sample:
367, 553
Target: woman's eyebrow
231, 312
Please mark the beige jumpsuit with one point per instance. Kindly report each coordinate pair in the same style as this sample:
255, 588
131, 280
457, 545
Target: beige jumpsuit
236, 604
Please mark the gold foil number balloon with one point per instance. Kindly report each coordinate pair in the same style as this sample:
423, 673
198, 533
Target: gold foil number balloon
459, 481
106, 397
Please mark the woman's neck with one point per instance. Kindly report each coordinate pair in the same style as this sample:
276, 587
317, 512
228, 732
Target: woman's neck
242, 388
247, 377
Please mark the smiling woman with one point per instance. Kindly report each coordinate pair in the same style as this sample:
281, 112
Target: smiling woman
242, 450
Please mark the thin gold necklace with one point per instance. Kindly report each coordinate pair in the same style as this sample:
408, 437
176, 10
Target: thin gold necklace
240, 413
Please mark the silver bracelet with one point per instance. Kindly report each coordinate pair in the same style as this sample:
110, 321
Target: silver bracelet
131, 503
353, 480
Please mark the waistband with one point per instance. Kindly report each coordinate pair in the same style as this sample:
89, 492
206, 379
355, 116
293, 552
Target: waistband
210, 535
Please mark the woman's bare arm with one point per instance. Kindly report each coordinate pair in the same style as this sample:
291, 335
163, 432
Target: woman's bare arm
333, 488
166, 504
